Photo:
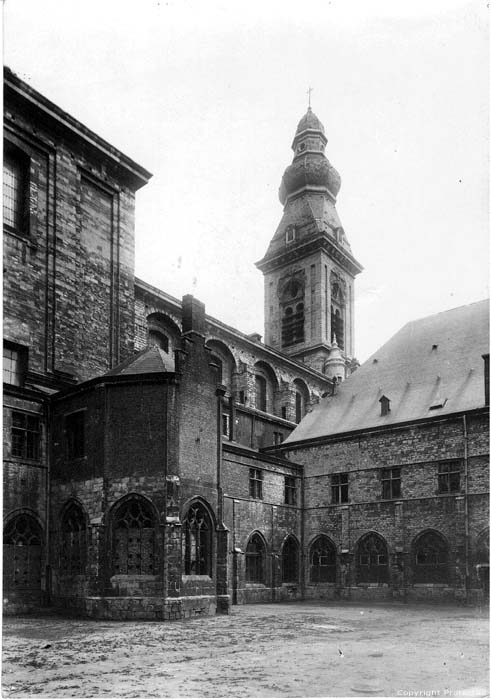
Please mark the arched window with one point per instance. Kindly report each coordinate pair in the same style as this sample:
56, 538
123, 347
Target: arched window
73, 559
261, 393
322, 561
197, 539
219, 365
289, 561
293, 315
337, 310
430, 558
22, 554
372, 560
302, 397
255, 559
134, 538
158, 340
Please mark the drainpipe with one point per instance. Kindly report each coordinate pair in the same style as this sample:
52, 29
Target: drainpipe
466, 503
303, 553
48, 500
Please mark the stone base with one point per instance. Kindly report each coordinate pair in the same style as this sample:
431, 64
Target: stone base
141, 607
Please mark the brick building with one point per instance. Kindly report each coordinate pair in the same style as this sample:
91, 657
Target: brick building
153, 466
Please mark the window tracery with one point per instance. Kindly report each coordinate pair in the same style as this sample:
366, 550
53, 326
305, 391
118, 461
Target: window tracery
197, 541
372, 560
255, 559
430, 558
73, 559
322, 561
134, 538
22, 541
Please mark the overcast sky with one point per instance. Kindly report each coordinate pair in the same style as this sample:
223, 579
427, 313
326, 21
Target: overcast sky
207, 96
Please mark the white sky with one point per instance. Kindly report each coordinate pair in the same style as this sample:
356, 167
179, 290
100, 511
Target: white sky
207, 95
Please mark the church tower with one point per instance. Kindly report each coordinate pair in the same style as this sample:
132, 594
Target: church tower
308, 269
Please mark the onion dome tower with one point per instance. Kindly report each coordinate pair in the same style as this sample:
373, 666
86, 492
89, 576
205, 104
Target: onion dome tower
309, 268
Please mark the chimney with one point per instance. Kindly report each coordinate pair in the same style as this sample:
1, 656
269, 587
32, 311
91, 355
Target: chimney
193, 315
486, 378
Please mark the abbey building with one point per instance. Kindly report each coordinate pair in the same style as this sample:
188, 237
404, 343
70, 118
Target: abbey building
159, 464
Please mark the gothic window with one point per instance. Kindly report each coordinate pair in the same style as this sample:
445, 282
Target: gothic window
337, 312
73, 558
25, 435
197, 538
449, 477
15, 182
256, 483
322, 561
289, 561
372, 560
290, 491
255, 559
22, 554
430, 558
391, 483
261, 393
75, 435
157, 339
134, 538
339, 487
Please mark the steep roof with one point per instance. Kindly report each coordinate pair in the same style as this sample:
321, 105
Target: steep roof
147, 361
432, 367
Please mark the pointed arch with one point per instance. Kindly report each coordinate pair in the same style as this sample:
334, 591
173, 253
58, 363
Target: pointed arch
255, 558
133, 521
266, 386
224, 359
22, 552
430, 557
164, 333
73, 538
322, 558
289, 559
197, 538
302, 397
372, 559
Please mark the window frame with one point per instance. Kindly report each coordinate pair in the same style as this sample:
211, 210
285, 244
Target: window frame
75, 446
255, 560
26, 436
290, 495
445, 477
256, 479
391, 480
22, 363
340, 487
22, 160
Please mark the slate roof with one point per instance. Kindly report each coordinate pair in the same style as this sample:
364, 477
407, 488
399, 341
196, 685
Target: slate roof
147, 361
434, 361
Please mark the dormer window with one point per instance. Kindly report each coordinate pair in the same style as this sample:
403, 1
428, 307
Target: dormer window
384, 406
290, 234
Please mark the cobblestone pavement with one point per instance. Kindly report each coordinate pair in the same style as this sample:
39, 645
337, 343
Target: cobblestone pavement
287, 650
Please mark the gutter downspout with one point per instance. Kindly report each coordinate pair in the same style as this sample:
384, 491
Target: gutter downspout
48, 501
466, 503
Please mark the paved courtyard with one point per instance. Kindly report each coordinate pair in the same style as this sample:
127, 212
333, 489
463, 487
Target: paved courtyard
288, 650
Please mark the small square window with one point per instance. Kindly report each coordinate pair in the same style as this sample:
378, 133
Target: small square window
256, 483
75, 435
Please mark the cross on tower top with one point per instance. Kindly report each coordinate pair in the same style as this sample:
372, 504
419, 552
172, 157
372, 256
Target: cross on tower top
309, 92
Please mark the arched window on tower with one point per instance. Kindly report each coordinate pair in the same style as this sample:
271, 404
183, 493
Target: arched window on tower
293, 313
337, 313
197, 539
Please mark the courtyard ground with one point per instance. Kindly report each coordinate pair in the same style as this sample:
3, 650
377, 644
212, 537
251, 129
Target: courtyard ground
287, 650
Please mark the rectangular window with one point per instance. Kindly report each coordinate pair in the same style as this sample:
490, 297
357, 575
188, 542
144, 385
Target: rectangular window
391, 483
15, 179
225, 424
14, 364
278, 438
25, 435
255, 483
449, 477
290, 491
339, 487
75, 435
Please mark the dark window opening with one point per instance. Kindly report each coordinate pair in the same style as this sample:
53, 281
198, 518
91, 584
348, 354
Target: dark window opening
26, 435
292, 325
391, 483
430, 559
278, 438
261, 393
197, 542
289, 561
384, 406
157, 339
73, 559
339, 487
255, 560
298, 407
75, 435
290, 490
255, 483
134, 538
337, 327
283, 412
322, 561
372, 560
15, 191
242, 397
22, 554
226, 424
449, 477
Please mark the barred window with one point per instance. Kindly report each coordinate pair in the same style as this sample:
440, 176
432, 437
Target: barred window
75, 435
391, 483
449, 477
290, 490
339, 487
255, 483
289, 561
26, 435
73, 559
134, 538
430, 559
322, 561
197, 541
255, 559
15, 178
